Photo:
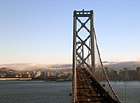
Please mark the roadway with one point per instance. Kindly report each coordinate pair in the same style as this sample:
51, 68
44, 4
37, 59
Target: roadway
89, 90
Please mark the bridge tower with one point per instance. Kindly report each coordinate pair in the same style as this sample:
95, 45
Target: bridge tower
81, 56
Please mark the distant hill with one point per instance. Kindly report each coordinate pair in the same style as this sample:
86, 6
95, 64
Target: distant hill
121, 65
50, 67
33, 66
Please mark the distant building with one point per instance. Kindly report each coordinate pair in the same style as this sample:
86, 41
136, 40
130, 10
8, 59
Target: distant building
138, 72
2, 75
99, 75
29, 75
126, 76
43, 74
47, 74
17, 75
38, 74
107, 71
113, 75
132, 75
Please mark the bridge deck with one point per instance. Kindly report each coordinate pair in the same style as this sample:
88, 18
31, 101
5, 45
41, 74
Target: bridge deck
86, 92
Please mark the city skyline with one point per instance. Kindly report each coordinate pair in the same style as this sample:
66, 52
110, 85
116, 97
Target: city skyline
41, 32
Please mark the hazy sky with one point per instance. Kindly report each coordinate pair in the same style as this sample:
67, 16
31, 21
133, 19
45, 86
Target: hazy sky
40, 31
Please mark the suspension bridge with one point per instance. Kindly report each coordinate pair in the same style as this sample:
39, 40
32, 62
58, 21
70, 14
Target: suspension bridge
88, 70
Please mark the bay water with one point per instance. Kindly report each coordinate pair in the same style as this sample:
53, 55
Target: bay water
56, 92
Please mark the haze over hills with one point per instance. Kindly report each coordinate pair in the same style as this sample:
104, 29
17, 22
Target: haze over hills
34, 66
122, 65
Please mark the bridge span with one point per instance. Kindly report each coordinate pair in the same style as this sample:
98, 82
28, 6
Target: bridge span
86, 61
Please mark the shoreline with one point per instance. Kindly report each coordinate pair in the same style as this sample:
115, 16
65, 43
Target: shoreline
57, 80
20, 79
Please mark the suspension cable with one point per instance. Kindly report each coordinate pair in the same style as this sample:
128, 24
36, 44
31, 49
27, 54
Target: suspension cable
102, 66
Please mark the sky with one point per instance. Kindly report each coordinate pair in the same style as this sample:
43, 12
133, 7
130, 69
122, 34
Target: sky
41, 31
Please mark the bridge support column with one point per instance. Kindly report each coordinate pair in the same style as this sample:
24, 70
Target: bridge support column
83, 46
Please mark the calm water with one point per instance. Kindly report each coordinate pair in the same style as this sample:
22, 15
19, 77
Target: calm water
55, 92
132, 88
34, 92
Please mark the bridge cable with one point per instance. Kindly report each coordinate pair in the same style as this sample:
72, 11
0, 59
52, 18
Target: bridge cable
113, 91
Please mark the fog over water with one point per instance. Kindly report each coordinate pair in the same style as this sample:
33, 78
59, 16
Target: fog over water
56, 92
